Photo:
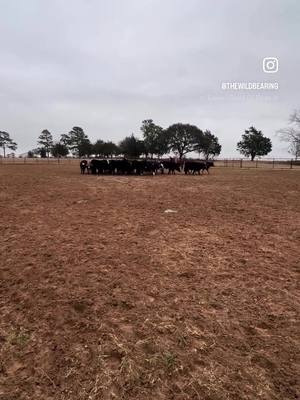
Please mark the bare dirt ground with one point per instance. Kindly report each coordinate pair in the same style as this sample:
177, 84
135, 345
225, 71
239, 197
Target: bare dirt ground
103, 295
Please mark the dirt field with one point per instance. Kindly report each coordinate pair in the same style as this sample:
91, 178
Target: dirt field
104, 295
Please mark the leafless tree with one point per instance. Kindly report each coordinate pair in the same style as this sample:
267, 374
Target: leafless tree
291, 134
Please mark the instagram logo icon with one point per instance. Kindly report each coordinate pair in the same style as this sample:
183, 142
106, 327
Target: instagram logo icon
270, 65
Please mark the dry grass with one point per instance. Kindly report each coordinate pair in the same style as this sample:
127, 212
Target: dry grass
105, 296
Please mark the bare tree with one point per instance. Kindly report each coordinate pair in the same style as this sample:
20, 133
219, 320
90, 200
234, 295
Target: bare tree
291, 134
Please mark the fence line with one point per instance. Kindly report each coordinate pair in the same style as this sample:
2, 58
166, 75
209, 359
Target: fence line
270, 163
37, 160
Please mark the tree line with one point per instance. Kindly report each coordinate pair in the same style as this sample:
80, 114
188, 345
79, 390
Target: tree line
178, 138
156, 141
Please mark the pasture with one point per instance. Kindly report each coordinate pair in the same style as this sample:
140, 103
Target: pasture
104, 295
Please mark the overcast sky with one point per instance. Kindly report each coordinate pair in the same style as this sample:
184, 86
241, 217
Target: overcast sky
108, 65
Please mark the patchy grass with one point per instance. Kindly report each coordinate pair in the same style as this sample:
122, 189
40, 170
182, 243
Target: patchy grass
18, 337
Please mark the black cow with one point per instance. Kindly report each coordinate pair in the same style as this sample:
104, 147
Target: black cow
152, 166
194, 166
99, 166
120, 166
84, 165
138, 167
155, 166
208, 164
171, 166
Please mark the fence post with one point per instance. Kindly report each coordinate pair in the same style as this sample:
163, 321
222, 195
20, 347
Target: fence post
291, 163
256, 163
273, 164
241, 163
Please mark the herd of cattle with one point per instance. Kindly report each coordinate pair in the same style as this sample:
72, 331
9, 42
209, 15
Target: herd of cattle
139, 167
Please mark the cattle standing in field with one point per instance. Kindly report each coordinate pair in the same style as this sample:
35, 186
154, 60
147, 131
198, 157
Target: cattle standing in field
84, 166
208, 164
139, 167
120, 166
197, 166
155, 166
152, 166
194, 166
171, 166
99, 166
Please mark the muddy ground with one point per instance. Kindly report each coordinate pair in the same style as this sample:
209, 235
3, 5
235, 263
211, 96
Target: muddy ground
104, 295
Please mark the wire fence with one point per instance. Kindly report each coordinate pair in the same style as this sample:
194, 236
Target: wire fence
267, 163
38, 160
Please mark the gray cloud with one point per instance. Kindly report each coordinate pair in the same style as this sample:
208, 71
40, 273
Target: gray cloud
106, 66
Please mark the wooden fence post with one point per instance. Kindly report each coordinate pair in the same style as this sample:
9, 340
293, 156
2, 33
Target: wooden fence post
291, 163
